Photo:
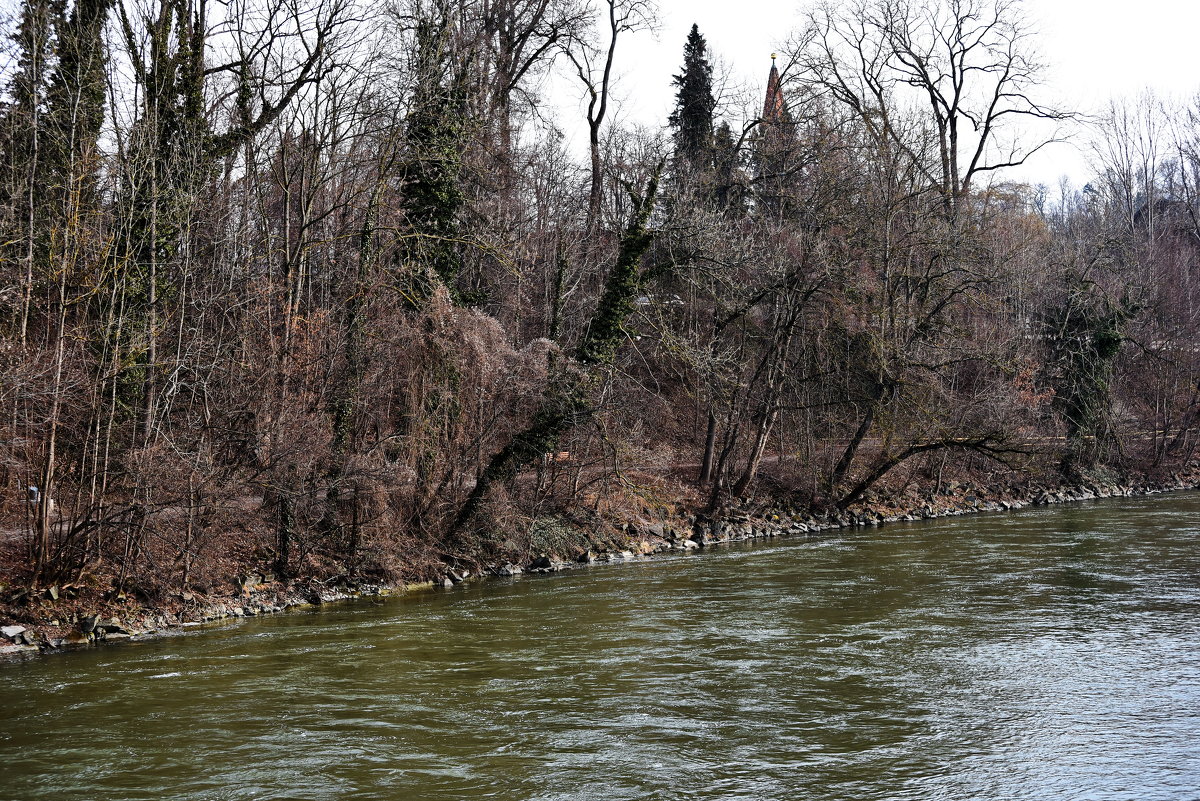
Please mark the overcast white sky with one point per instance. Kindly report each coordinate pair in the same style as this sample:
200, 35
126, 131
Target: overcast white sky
1093, 50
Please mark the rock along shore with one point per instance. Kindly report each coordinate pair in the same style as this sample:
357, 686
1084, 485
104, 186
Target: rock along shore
261, 594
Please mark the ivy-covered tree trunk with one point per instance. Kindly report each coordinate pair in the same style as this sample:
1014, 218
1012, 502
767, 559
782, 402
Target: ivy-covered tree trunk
566, 401
436, 136
162, 167
1084, 336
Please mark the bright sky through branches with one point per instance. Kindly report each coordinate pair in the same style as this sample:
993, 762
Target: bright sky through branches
1093, 51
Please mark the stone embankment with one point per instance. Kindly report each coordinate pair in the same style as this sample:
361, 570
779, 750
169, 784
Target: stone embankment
261, 594
741, 526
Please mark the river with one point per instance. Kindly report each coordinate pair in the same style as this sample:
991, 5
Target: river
1046, 654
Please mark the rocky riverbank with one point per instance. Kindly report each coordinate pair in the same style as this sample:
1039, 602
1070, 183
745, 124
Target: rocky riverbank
65, 623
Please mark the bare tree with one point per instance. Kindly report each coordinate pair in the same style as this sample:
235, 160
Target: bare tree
969, 64
522, 37
932, 91
594, 65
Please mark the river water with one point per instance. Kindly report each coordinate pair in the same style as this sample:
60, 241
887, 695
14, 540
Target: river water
1045, 654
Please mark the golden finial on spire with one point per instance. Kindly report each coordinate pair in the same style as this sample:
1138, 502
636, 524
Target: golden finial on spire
772, 56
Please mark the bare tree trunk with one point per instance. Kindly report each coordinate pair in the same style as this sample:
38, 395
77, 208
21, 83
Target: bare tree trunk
151, 387
50, 464
710, 444
596, 194
554, 328
843, 466
31, 234
756, 453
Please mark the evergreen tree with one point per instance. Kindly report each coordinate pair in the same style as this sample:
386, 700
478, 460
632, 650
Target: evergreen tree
729, 179
23, 190
34, 40
692, 118
77, 90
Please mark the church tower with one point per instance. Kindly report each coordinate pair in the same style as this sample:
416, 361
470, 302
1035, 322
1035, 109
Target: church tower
773, 154
773, 107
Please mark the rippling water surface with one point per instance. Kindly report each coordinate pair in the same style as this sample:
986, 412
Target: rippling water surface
1047, 654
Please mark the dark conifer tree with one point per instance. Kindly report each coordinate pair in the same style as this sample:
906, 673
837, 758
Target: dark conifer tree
77, 88
22, 192
34, 40
692, 118
729, 179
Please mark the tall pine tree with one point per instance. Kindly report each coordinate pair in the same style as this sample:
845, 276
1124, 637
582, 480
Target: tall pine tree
692, 118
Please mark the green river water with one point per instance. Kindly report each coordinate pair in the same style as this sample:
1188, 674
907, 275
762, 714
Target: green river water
1048, 654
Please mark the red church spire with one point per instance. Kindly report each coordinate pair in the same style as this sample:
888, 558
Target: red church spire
773, 107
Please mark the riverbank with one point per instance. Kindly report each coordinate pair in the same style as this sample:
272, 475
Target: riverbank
942, 659
63, 619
